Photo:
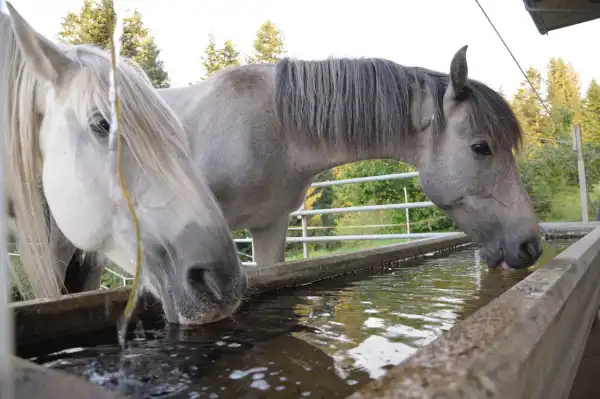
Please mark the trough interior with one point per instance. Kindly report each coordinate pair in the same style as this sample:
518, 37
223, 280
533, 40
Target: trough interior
324, 339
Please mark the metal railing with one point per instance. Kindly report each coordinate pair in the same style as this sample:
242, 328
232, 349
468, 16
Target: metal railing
304, 214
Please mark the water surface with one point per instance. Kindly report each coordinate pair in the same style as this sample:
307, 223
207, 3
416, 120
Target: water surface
322, 340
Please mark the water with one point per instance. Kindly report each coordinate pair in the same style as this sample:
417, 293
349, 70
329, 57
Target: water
322, 340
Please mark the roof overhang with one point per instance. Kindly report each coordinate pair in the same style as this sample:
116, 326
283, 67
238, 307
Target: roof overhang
549, 15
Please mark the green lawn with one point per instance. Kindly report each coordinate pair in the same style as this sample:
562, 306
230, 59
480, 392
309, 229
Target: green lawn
347, 246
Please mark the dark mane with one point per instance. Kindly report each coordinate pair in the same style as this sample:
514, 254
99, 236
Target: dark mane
367, 102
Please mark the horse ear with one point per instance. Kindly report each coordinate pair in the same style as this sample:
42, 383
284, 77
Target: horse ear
459, 71
45, 58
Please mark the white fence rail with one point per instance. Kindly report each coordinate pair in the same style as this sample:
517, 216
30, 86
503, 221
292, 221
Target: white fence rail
304, 214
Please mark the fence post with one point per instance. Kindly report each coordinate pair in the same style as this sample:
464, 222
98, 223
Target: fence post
305, 235
406, 211
578, 147
6, 317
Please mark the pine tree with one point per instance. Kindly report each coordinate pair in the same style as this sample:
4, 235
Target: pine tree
529, 110
563, 95
211, 59
89, 26
215, 59
591, 113
150, 62
268, 45
229, 55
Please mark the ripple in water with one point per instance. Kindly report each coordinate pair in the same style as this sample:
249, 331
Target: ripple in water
322, 340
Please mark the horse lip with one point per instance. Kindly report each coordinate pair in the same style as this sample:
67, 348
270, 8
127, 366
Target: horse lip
498, 262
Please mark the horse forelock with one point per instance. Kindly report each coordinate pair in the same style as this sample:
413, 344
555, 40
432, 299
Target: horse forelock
367, 102
153, 133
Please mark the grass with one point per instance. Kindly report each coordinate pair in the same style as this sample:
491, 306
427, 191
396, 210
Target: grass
566, 207
347, 246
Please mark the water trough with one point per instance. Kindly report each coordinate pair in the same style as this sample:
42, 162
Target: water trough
521, 345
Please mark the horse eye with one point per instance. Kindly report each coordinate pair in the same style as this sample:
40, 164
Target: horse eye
481, 148
100, 127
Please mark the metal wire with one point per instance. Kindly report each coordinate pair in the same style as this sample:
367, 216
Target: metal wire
516, 62
119, 150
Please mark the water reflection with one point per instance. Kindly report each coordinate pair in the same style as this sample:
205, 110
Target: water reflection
322, 340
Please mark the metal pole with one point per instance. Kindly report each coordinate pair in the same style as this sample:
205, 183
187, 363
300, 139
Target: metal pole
578, 147
304, 235
406, 212
304, 221
6, 319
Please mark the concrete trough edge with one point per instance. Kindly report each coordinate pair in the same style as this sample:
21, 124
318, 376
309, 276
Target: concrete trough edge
41, 319
39, 382
527, 343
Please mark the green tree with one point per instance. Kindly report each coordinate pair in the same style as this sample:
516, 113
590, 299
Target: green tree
229, 55
211, 61
591, 113
268, 45
530, 111
153, 66
387, 192
89, 26
563, 95
215, 59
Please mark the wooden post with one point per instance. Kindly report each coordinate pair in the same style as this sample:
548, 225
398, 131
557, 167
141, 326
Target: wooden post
578, 147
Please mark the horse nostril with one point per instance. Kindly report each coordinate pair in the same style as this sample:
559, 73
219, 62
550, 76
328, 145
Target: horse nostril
195, 275
530, 250
201, 279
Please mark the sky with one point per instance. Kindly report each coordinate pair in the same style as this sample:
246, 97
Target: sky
423, 33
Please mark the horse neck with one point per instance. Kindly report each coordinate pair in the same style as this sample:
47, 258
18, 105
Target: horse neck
313, 158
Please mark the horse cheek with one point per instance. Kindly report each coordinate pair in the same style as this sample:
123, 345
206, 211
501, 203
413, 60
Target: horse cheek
81, 221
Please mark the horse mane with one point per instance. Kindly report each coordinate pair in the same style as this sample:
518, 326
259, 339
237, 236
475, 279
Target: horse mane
149, 127
18, 115
366, 102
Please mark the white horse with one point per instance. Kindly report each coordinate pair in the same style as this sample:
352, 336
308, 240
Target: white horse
55, 113
260, 133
